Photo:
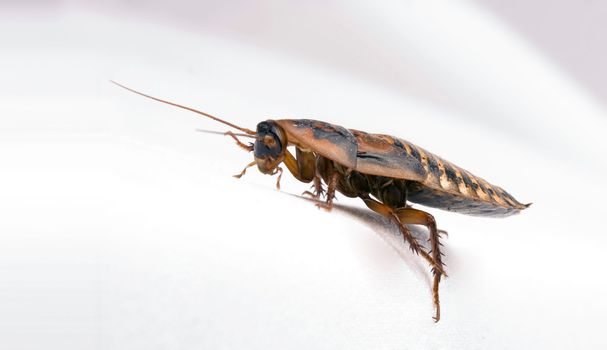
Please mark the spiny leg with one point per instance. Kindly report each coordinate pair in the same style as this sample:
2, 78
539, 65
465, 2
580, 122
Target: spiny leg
418, 217
318, 190
238, 176
331, 187
388, 212
437, 268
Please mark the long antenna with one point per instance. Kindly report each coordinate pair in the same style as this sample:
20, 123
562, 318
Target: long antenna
224, 133
248, 131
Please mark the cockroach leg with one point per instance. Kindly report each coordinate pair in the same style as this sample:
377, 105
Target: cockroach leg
294, 167
388, 212
238, 176
278, 170
331, 187
318, 190
310, 194
413, 216
248, 148
418, 217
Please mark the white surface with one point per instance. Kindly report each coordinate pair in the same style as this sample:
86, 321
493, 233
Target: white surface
122, 228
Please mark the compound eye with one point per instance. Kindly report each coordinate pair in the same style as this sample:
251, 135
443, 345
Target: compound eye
269, 141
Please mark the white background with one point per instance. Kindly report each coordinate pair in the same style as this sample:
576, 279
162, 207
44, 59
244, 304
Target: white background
121, 227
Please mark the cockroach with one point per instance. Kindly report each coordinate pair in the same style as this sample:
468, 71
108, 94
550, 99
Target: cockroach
384, 171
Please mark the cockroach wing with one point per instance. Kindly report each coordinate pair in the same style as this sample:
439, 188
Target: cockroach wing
384, 155
331, 141
432, 181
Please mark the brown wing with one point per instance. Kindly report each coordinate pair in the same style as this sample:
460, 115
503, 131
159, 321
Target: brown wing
384, 155
434, 181
331, 141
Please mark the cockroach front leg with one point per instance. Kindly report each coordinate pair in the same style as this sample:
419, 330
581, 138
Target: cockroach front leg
278, 170
238, 176
248, 148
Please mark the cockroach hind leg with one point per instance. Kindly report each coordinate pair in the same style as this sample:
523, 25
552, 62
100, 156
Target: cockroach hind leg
435, 296
436, 318
413, 216
418, 217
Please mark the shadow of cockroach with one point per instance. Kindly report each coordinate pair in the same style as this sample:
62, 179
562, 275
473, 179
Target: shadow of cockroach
389, 232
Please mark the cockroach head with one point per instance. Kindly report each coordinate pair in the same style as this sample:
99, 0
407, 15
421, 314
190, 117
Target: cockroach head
270, 145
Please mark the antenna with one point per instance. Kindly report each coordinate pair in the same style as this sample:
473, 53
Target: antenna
248, 131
